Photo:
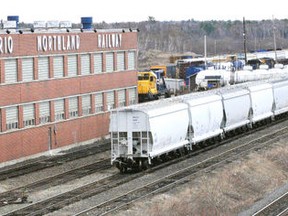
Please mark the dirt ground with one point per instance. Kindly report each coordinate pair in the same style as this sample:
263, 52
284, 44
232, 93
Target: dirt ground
228, 190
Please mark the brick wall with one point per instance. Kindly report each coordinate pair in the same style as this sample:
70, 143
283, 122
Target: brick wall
39, 138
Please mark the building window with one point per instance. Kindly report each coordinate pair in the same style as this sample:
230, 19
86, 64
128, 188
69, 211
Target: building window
99, 102
27, 69
11, 118
98, 63
86, 104
44, 112
121, 98
58, 66
59, 109
110, 100
72, 65
109, 62
131, 60
132, 96
11, 71
85, 64
28, 115
43, 68
120, 61
73, 107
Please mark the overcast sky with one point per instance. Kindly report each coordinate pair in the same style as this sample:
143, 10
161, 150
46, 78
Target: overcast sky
140, 10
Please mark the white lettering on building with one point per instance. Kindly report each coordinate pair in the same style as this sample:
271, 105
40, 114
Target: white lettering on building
109, 40
58, 43
6, 45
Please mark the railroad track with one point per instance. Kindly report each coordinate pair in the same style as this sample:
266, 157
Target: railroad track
44, 162
9, 196
279, 207
101, 188
182, 176
83, 192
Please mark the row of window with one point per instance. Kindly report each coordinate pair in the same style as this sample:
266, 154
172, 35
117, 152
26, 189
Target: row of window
114, 61
65, 108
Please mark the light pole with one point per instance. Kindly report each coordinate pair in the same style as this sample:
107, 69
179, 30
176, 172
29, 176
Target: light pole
244, 38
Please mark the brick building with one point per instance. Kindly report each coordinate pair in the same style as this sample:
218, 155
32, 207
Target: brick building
57, 86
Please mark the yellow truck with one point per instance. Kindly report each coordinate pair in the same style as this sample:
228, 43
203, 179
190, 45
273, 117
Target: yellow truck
151, 86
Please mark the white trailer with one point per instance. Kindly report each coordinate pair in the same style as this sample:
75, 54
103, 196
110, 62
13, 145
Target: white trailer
175, 86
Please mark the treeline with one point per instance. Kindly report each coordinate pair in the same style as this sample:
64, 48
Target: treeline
221, 36
188, 36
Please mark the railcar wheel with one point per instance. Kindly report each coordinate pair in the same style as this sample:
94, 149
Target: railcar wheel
269, 121
181, 152
244, 129
145, 165
215, 139
164, 157
123, 169
186, 150
156, 161
210, 141
203, 143
238, 130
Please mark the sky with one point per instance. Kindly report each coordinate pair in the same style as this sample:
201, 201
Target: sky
139, 10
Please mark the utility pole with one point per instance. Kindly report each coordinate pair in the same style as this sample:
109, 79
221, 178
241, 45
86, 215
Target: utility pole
244, 38
274, 38
215, 48
205, 51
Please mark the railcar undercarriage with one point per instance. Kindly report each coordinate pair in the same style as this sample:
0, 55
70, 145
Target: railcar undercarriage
131, 165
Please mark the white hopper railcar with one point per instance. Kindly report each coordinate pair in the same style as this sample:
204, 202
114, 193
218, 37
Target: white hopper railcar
280, 93
261, 96
206, 115
142, 132
237, 105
